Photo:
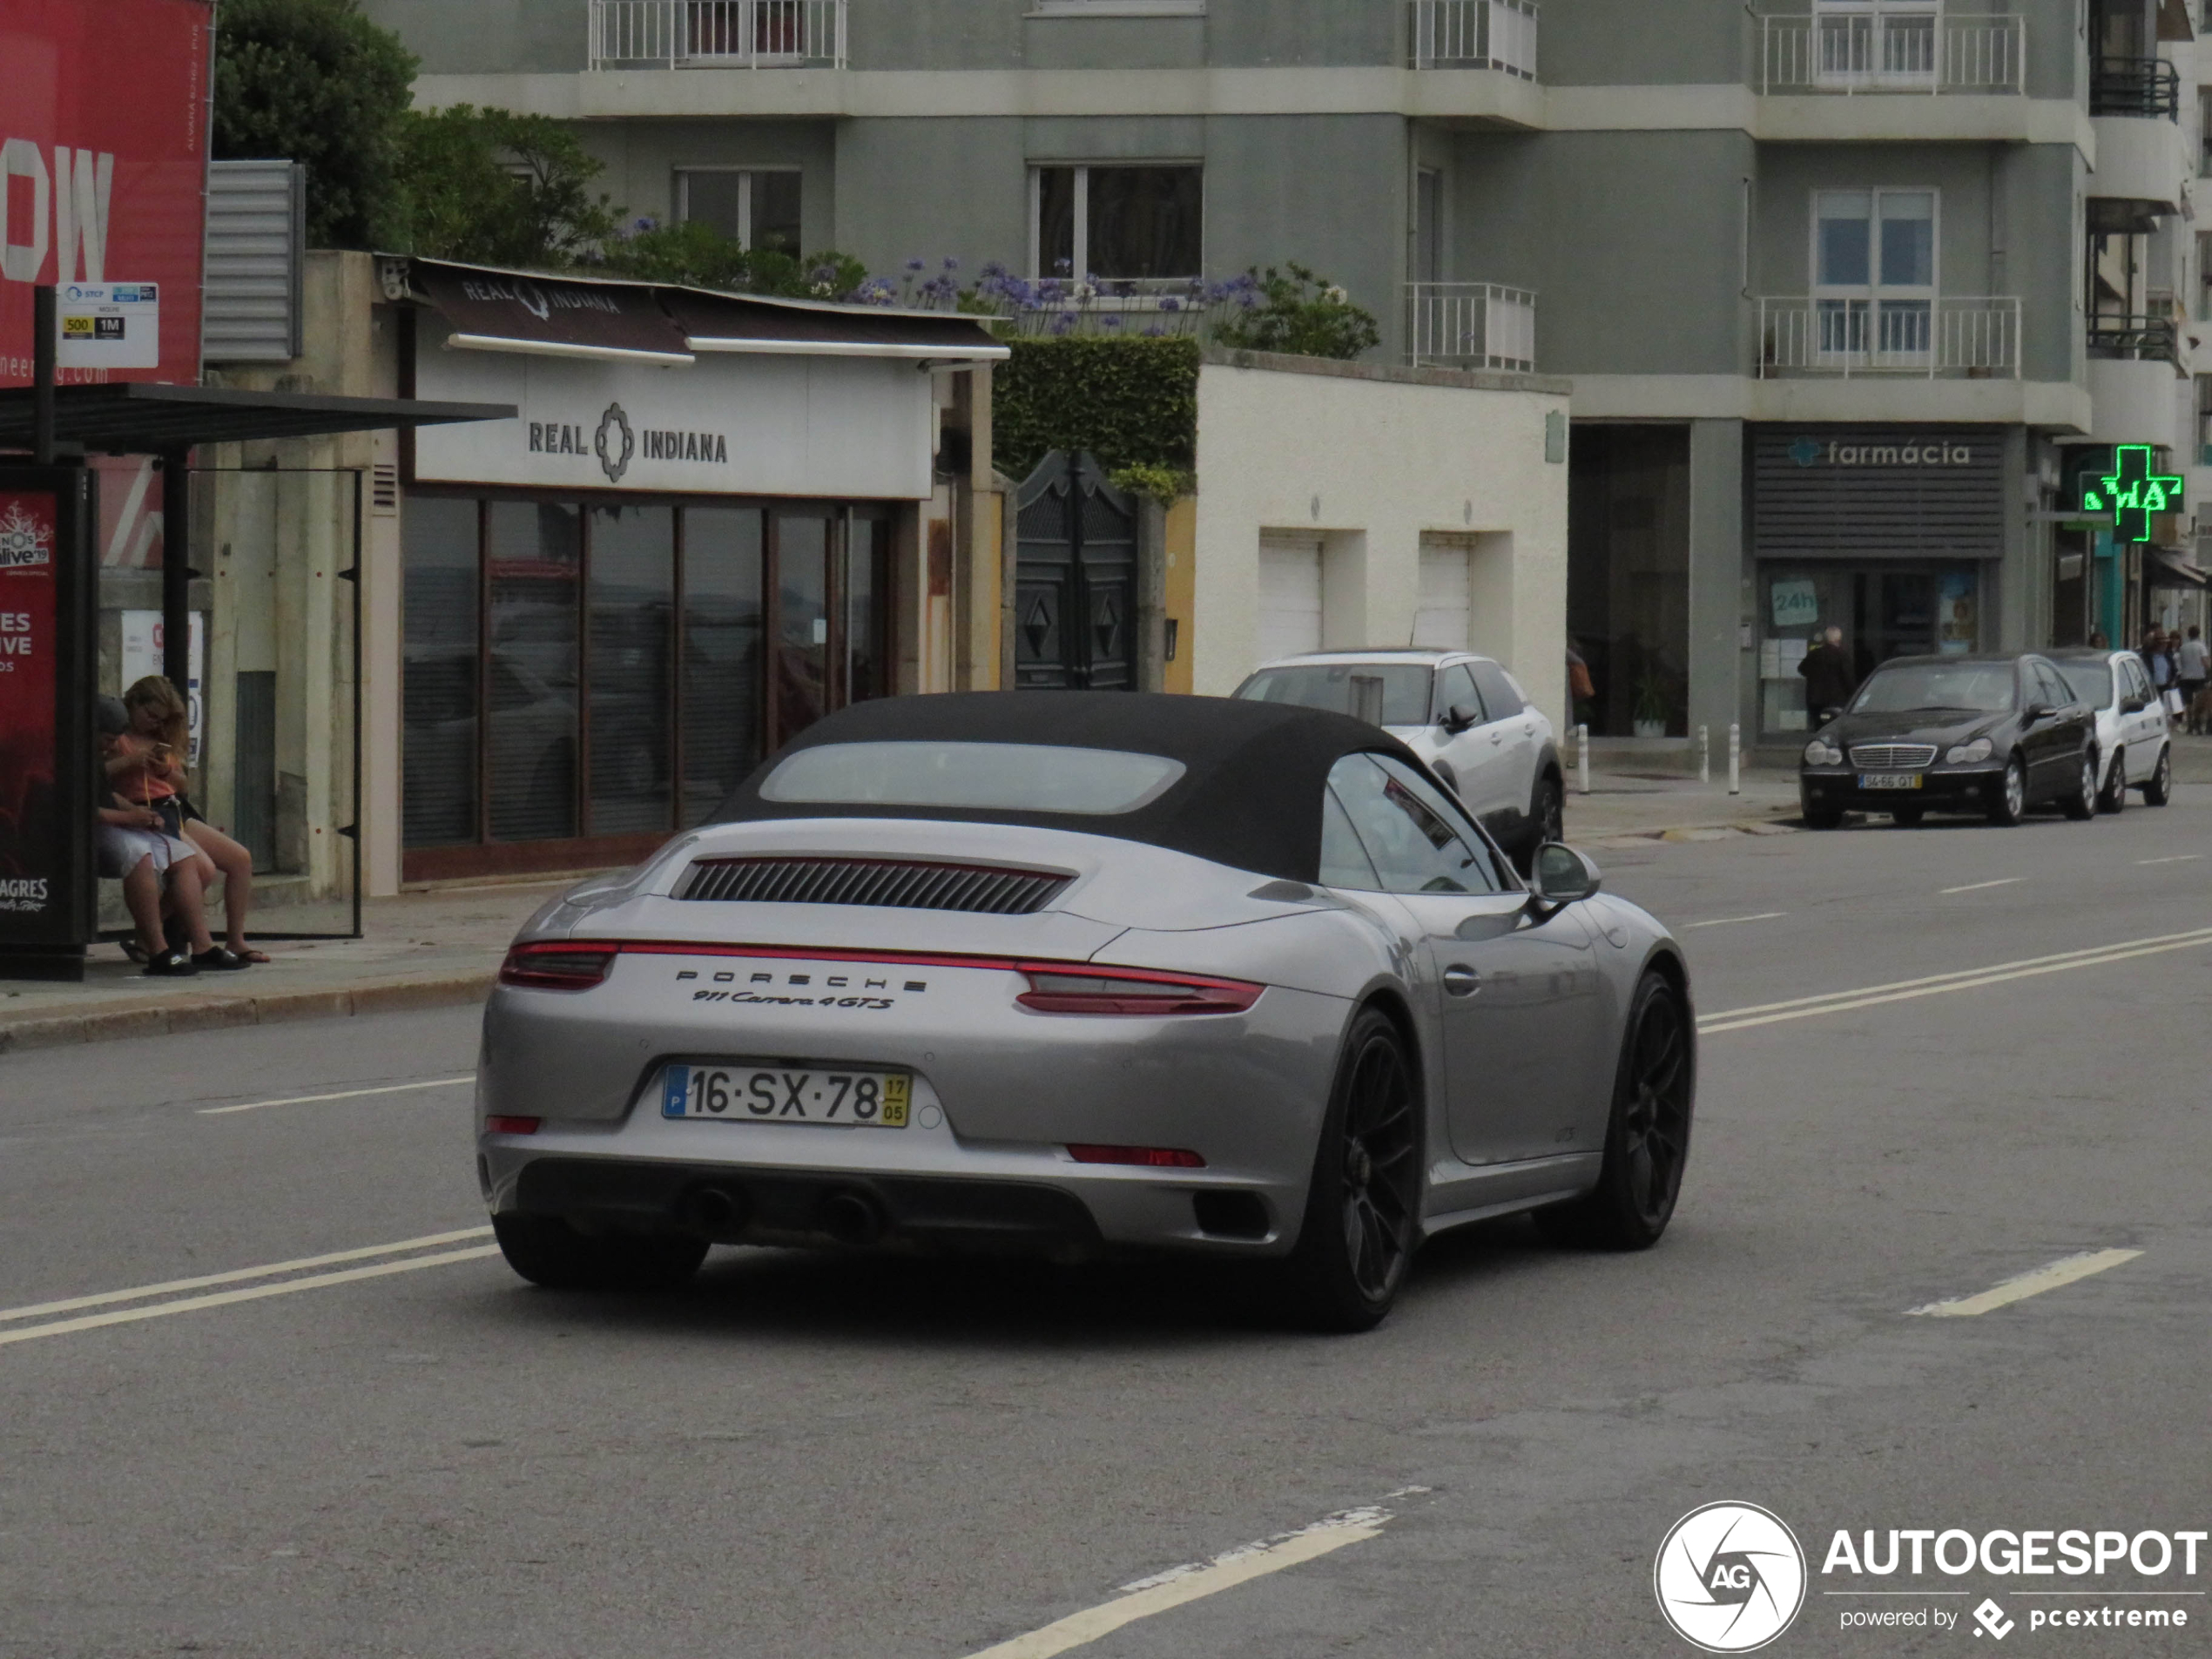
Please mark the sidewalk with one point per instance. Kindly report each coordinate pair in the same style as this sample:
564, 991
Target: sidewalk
442, 948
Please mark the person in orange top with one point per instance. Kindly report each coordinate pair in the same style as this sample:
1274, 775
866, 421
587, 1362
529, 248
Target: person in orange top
152, 770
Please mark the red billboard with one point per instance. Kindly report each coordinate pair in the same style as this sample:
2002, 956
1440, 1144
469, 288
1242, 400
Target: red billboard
104, 112
31, 815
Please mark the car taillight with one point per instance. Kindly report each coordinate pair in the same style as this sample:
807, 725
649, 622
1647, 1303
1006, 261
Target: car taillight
552, 967
1153, 1157
499, 1125
1131, 991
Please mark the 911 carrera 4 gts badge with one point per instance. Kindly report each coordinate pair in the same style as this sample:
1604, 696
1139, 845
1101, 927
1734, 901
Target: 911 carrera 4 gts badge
836, 991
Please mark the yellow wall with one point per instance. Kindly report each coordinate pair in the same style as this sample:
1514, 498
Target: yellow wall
1182, 588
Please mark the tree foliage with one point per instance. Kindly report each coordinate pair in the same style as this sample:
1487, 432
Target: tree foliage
315, 81
497, 188
1132, 403
699, 256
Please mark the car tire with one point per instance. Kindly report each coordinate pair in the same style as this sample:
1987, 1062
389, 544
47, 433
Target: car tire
1909, 817
1548, 812
1647, 1133
2082, 805
2009, 806
1362, 1206
1824, 818
2158, 789
547, 1252
2114, 797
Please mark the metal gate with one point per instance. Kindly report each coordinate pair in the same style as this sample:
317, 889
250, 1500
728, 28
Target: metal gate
1075, 608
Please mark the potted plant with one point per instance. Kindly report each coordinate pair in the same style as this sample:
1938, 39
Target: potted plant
1650, 717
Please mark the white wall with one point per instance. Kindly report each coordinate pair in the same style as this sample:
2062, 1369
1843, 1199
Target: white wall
1371, 459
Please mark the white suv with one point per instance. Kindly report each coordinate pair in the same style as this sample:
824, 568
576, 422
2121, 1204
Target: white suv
1464, 715
2134, 742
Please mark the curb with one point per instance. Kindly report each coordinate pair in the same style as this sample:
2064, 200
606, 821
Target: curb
1722, 832
214, 1013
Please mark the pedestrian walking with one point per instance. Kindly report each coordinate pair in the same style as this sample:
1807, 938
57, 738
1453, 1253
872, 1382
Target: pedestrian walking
1830, 680
2193, 668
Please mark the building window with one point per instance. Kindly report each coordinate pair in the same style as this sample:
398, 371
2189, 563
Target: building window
1879, 43
1628, 576
1117, 223
1874, 275
758, 208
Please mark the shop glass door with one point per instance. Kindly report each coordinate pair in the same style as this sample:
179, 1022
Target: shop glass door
1883, 612
798, 690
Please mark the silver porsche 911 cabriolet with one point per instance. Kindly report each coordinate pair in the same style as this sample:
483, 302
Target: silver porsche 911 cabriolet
1076, 973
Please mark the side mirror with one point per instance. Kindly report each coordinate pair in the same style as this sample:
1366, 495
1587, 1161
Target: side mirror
1562, 876
2132, 705
2036, 711
1459, 717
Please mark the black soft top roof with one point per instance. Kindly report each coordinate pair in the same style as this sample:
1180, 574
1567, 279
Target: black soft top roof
1251, 798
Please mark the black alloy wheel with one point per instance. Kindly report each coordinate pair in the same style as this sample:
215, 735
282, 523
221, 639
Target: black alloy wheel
2009, 804
1551, 811
2082, 804
1909, 817
1361, 1225
2114, 797
1647, 1137
2160, 788
1819, 817
547, 1250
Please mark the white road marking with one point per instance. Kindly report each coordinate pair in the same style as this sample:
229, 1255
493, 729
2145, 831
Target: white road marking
343, 1093
224, 1298
39, 1310
2179, 858
1806, 1007
2015, 1290
1977, 886
1195, 1582
1730, 922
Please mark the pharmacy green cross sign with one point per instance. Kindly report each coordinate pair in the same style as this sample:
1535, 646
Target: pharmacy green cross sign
2131, 493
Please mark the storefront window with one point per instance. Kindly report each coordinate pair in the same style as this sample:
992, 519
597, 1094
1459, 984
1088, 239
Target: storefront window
722, 673
442, 583
534, 560
633, 602
867, 570
1628, 595
1883, 613
801, 685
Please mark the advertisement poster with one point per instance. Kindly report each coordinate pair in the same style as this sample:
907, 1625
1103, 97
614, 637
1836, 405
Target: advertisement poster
103, 170
32, 822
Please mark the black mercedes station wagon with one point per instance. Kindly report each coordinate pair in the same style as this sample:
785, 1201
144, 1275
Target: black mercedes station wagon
1992, 735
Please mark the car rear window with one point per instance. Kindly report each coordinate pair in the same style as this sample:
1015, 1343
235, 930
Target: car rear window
2092, 682
1984, 688
1380, 693
1000, 776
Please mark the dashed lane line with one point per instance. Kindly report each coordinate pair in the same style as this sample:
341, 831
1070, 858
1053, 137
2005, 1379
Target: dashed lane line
343, 1093
1179, 1586
1731, 921
1806, 1007
1982, 886
253, 1293
2178, 858
274, 1270
2065, 1271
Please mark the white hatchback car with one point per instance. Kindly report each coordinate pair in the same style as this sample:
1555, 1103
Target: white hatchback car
1463, 714
2134, 741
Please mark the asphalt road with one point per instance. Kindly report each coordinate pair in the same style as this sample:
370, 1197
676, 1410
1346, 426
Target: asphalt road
409, 1453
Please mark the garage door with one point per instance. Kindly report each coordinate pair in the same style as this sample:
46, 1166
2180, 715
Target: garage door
1441, 619
1289, 595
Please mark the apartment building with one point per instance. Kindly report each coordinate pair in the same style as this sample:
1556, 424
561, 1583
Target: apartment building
1853, 293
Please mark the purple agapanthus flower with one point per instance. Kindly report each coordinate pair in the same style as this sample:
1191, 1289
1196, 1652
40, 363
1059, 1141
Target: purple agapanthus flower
1170, 305
917, 265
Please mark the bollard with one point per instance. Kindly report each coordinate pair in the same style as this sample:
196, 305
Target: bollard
1582, 742
1735, 758
1704, 754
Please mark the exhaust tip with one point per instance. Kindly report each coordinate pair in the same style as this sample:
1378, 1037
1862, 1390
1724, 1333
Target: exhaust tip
850, 1217
717, 1213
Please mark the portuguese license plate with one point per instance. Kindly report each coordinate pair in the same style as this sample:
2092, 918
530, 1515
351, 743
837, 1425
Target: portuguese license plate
1889, 780
836, 1097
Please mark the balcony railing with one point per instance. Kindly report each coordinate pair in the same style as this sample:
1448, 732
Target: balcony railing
1475, 34
717, 34
2141, 86
2155, 339
1952, 338
1916, 52
1470, 325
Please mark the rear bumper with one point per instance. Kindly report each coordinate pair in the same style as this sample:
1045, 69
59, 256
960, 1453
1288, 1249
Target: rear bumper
1948, 789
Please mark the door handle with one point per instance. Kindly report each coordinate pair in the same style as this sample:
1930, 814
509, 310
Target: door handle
1459, 980
1497, 737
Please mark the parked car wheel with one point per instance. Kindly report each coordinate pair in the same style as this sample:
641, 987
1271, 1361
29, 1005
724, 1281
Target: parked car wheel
2010, 804
1549, 811
2082, 804
2114, 797
1647, 1137
547, 1250
1821, 817
1361, 1227
1909, 817
2160, 788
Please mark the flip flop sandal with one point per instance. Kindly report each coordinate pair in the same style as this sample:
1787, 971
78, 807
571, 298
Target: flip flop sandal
173, 963
222, 960
252, 956
135, 951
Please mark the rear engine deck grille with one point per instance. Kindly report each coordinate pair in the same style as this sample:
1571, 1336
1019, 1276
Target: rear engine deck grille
872, 881
1893, 756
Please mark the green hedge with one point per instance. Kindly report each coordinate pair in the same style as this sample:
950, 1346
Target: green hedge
1130, 402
